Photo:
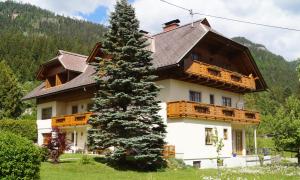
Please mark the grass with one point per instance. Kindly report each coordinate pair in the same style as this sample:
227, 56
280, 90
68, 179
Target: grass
73, 169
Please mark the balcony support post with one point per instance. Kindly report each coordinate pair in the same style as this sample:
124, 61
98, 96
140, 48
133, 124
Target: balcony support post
255, 143
74, 143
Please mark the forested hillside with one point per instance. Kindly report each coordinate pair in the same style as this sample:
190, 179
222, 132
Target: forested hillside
277, 72
30, 36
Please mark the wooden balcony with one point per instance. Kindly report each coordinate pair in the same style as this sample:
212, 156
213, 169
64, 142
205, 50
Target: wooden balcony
71, 120
221, 77
187, 109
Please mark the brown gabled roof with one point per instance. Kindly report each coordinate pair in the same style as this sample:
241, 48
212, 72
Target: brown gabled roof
168, 48
172, 46
84, 79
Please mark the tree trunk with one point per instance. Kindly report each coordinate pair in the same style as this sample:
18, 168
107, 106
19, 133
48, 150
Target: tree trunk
298, 155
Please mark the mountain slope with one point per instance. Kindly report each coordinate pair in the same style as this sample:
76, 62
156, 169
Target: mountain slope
277, 72
30, 36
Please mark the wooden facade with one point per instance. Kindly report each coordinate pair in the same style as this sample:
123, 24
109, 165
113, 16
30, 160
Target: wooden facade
202, 111
71, 120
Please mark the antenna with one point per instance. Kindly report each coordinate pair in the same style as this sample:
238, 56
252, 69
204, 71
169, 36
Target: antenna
189, 10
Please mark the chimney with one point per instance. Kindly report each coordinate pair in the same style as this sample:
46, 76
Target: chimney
171, 25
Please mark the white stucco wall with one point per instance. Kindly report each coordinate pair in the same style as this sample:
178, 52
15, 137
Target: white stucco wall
175, 90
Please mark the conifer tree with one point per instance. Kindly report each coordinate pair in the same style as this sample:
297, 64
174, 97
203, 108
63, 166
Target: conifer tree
10, 93
126, 106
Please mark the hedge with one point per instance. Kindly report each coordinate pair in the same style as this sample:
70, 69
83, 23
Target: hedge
19, 157
24, 128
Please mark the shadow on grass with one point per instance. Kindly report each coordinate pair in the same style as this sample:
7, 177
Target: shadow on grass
126, 167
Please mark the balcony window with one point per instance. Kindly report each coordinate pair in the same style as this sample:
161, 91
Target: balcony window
226, 101
208, 136
74, 109
47, 113
212, 99
195, 56
195, 96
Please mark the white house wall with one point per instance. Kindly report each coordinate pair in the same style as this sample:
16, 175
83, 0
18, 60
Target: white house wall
175, 90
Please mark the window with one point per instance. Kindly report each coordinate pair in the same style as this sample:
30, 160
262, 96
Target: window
195, 96
47, 113
195, 56
197, 164
208, 136
74, 109
89, 107
225, 134
212, 99
226, 101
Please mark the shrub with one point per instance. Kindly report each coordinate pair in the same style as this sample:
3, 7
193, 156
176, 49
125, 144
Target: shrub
175, 163
44, 154
85, 159
24, 128
19, 157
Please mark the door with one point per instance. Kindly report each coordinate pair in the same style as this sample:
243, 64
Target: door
239, 142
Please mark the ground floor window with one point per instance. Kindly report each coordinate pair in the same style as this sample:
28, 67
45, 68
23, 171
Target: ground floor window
208, 136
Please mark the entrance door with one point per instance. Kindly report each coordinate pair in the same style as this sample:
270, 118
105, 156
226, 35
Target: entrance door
239, 142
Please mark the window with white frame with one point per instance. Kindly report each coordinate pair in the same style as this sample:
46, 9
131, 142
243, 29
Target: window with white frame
226, 101
195, 96
47, 113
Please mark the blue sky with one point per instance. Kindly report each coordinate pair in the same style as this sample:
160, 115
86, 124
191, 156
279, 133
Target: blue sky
153, 13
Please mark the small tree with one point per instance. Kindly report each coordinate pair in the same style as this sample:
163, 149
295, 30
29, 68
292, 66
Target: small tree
218, 143
56, 145
286, 126
10, 93
126, 106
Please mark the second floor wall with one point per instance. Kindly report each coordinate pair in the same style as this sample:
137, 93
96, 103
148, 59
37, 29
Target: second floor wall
175, 90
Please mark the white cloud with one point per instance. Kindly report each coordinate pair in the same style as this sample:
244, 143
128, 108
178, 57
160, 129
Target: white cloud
72, 8
153, 13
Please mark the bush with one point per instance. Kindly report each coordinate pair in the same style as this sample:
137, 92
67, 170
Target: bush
175, 163
85, 159
19, 157
24, 128
44, 154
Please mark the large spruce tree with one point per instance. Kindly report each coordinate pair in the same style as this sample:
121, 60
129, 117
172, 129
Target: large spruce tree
126, 106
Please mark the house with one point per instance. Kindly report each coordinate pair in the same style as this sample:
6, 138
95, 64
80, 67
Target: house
203, 76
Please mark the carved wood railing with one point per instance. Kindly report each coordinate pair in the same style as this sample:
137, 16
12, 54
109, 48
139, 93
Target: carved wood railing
71, 120
182, 109
220, 74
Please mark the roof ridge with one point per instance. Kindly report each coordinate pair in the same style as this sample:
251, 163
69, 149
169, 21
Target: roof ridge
71, 53
199, 20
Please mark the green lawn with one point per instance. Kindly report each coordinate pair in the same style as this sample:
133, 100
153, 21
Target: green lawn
74, 170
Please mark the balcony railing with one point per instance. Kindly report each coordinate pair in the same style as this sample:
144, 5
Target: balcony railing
182, 109
221, 75
71, 120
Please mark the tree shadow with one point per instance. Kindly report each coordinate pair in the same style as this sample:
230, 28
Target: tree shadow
126, 167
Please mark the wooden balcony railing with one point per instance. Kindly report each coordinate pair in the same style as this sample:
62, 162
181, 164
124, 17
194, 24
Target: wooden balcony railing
221, 75
71, 120
169, 151
182, 109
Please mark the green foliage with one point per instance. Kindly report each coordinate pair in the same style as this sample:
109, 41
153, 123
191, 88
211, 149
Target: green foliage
126, 107
19, 157
173, 163
286, 125
44, 154
24, 128
85, 159
32, 35
10, 93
